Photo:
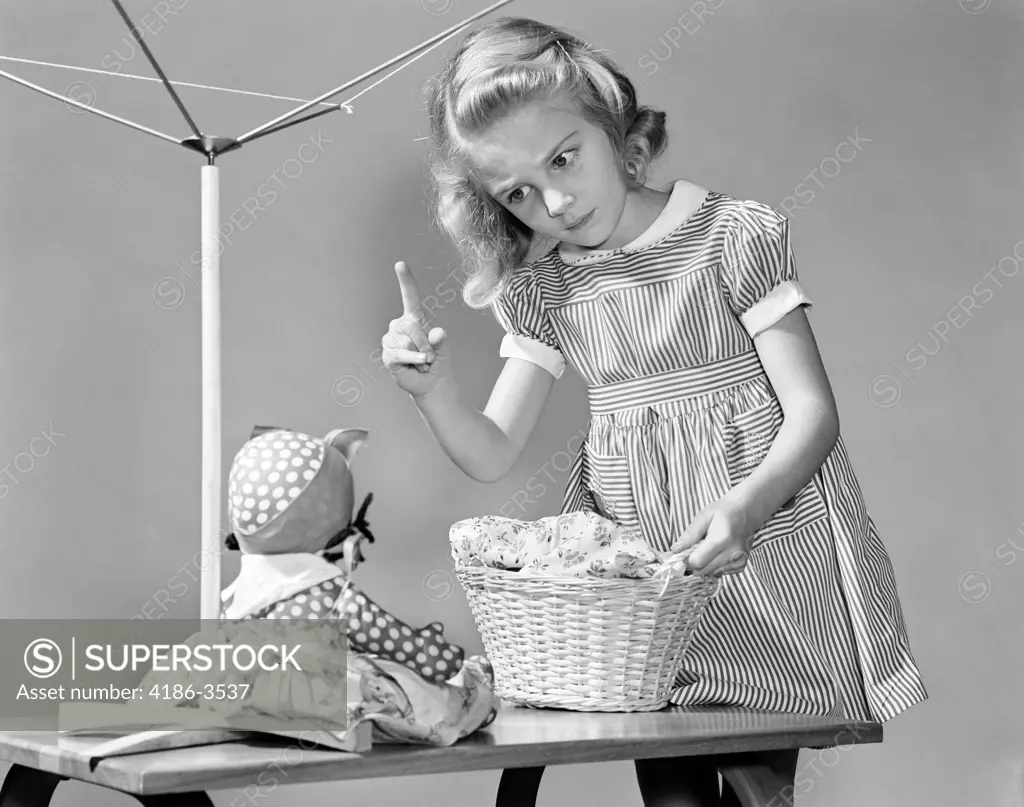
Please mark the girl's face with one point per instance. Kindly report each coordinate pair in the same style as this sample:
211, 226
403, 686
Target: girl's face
554, 171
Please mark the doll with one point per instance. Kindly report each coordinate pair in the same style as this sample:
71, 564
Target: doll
290, 505
290, 502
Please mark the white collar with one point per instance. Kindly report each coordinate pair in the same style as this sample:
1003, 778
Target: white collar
266, 579
685, 199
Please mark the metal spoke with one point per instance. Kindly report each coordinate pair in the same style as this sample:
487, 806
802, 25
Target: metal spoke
443, 35
159, 72
88, 108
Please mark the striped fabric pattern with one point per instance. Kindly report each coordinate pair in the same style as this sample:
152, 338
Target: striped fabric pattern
681, 411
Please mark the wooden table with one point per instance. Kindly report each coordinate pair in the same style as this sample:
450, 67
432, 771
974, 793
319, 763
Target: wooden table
520, 742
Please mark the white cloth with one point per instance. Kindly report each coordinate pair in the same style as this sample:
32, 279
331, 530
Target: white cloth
767, 311
266, 579
515, 346
685, 198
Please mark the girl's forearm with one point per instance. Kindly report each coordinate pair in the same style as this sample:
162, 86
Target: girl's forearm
471, 439
803, 443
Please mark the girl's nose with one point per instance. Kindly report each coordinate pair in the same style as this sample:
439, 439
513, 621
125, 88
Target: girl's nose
557, 202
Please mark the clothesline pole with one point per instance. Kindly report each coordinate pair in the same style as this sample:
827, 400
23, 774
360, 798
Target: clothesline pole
212, 498
211, 492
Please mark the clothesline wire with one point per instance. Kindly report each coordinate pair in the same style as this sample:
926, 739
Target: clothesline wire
151, 78
424, 46
90, 108
402, 66
346, 105
275, 125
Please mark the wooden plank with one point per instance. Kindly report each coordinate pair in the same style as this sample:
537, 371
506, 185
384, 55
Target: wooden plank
518, 738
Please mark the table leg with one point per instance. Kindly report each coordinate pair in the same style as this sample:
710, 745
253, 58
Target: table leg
518, 787
756, 785
28, 787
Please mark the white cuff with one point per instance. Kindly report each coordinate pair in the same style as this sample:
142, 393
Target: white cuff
767, 311
514, 346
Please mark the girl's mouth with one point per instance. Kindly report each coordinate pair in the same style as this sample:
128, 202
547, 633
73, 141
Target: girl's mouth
582, 222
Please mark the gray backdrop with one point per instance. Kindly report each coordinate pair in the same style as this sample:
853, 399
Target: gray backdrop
906, 242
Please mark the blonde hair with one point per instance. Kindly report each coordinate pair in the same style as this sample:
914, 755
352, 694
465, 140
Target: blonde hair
496, 68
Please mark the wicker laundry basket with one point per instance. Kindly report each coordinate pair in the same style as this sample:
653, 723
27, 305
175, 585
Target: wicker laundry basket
585, 644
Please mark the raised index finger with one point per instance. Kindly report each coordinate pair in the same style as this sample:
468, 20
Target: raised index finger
407, 283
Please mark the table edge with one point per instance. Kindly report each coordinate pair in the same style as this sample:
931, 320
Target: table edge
395, 761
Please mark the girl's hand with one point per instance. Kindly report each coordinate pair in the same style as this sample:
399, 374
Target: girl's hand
416, 360
722, 534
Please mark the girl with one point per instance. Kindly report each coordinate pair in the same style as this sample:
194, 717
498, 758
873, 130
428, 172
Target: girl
712, 418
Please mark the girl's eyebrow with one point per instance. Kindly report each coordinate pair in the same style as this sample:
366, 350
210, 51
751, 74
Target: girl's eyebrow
511, 183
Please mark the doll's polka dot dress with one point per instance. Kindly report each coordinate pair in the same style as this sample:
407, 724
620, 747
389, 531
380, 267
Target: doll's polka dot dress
373, 630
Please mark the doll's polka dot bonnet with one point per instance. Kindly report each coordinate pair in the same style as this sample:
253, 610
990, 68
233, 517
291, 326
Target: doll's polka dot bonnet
290, 492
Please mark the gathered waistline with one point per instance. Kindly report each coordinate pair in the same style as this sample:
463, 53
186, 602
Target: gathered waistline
689, 382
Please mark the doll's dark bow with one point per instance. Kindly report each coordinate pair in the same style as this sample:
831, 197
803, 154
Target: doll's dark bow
357, 525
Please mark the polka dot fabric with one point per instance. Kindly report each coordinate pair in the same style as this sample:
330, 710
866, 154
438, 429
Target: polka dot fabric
270, 473
288, 492
374, 631
317, 602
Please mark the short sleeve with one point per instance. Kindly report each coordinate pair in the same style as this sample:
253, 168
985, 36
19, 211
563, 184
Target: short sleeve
528, 333
759, 272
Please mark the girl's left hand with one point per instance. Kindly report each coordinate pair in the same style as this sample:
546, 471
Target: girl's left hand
722, 534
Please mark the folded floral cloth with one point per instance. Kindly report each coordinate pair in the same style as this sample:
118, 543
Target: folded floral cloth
576, 544
406, 708
333, 688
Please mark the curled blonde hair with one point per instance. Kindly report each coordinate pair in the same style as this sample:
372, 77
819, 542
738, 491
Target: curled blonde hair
497, 68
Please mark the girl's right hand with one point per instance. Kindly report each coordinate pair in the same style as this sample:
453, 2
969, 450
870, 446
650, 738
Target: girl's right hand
417, 360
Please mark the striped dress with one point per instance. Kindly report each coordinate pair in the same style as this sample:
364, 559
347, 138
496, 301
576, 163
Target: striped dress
662, 331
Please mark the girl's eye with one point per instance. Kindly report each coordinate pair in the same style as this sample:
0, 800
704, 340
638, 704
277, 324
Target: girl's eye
511, 198
568, 162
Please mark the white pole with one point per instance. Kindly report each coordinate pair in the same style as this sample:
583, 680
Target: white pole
212, 501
